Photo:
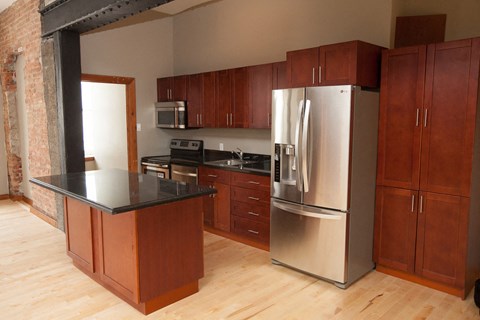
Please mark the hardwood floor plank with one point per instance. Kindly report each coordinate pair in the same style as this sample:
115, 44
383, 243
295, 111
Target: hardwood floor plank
38, 281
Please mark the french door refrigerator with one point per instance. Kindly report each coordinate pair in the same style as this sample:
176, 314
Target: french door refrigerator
324, 147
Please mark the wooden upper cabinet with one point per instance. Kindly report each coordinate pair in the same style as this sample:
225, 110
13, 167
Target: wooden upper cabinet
164, 89
279, 75
179, 88
223, 99
396, 228
449, 117
354, 62
172, 88
401, 102
260, 92
208, 120
195, 100
302, 66
240, 100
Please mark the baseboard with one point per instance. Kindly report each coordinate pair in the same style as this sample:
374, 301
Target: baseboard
36, 212
4, 196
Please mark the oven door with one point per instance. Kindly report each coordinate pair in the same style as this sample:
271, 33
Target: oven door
157, 171
186, 174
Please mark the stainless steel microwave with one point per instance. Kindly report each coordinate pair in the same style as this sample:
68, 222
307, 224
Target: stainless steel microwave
171, 114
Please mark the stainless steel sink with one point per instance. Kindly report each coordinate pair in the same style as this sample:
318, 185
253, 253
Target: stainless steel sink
229, 162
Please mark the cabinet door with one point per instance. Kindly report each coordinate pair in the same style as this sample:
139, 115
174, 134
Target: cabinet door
449, 118
208, 201
179, 88
222, 206
164, 89
260, 91
442, 238
400, 125
395, 228
195, 100
79, 234
337, 64
223, 98
302, 68
240, 104
208, 120
279, 80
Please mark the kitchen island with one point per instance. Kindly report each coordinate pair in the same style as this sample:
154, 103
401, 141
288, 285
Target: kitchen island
139, 236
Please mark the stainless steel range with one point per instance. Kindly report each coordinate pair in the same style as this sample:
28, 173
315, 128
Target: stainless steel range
181, 164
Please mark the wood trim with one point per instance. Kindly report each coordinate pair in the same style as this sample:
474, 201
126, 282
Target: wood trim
237, 238
422, 281
27, 200
87, 159
131, 112
43, 216
4, 196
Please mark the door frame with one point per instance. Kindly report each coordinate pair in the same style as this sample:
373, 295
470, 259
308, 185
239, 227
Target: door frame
131, 112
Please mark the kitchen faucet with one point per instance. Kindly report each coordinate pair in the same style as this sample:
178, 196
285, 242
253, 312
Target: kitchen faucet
239, 153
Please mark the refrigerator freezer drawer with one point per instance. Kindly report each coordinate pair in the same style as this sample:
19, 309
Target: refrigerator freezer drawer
309, 239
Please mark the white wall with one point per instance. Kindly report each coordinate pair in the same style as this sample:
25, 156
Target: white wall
232, 33
143, 52
3, 156
109, 124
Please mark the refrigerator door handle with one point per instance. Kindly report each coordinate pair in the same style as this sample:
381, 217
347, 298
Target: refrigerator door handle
318, 214
297, 146
304, 167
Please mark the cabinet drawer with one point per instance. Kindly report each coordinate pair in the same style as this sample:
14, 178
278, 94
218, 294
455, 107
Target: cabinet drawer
251, 181
250, 196
258, 231
209, 175
260, 213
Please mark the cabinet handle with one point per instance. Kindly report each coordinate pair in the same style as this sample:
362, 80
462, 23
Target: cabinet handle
253, 231
421, 204
253, 182
313, 75
418, 113
197, 119
253, 213
320, 74
253, 198
231, 119
201, 119
425, 120
227, 119
212, 175
413, 202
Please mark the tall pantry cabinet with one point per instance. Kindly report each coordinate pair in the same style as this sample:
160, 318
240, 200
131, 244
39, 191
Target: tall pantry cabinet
427, 220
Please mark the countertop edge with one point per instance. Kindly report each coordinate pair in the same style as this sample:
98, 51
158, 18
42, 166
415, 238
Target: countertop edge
231, 168
119, 209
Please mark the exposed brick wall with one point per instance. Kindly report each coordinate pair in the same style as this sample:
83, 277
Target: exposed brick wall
20, 30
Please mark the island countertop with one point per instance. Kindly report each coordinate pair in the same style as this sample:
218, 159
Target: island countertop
117, 191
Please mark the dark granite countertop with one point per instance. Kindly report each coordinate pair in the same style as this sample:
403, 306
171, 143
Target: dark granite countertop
116, 191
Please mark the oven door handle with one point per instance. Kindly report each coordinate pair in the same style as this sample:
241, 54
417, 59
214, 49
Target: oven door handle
184, 173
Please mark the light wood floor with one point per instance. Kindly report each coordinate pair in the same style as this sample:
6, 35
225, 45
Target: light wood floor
38, 281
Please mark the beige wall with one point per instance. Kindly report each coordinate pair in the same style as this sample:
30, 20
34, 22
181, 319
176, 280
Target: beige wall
144, 52
463, 17
232, 33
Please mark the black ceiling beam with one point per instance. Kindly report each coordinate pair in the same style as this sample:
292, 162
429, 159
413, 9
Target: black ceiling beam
85, 15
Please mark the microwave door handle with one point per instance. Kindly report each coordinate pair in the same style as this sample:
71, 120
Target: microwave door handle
176, 124
304, 166
297, 146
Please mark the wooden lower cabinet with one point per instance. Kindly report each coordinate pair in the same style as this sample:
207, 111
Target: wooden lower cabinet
424, 235
150, 257
241, 207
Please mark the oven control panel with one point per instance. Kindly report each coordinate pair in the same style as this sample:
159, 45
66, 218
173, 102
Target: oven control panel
180, 144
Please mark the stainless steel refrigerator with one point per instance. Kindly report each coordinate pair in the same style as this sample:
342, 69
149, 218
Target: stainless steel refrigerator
324, 147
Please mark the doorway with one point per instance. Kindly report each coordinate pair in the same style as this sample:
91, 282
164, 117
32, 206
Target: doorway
130, 135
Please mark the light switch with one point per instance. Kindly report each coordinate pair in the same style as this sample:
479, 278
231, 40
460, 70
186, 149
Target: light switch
139, 127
